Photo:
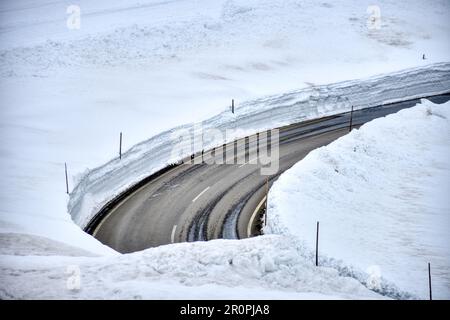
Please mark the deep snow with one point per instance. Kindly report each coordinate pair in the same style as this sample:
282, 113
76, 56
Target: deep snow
100, 185
280, 266
380, 194
269, 267
142, 67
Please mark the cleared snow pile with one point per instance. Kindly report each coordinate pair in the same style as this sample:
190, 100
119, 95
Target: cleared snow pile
100, 185
269, 267
381, 195
142, 67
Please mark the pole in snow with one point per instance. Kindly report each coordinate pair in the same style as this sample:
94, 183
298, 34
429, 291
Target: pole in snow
120, 146
67, 180
429, 281
351, 120
232, 106
317, 244
267, 198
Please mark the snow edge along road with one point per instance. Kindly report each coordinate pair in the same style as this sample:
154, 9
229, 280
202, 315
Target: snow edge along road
98, 186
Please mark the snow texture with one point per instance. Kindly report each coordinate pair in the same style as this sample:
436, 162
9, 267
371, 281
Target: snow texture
381, 196
142, 67
268, 267
102, 184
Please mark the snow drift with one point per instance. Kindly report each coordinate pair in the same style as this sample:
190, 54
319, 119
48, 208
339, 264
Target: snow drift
142, 67
280, 266
102, 184
145, 66
269, 267
381, 196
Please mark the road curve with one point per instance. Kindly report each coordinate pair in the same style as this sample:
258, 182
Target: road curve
192, 202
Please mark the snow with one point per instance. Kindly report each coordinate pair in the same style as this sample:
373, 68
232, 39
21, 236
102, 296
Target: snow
380, 194
100, 185
146, 67
143, 67
269, 267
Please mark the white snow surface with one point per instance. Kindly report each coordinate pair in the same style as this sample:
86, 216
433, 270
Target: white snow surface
146, 67
381, 195
100, 185
268, 267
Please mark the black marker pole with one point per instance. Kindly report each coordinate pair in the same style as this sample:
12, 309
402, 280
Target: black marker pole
120, 146
351, 120
317, 244
429, 281
67, 179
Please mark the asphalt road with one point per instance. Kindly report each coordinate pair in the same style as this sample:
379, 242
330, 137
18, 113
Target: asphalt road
193, 202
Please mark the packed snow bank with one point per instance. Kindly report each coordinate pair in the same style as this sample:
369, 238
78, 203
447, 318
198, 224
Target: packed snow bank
381, 194
98, 186
268, 267
142, 67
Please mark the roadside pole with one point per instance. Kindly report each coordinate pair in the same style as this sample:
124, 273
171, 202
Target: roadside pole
317, 244
429, 281
267, 198
120, 146
67, 180
351, 120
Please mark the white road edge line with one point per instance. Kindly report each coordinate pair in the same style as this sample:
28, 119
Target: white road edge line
206, 189
172, 236
250, 223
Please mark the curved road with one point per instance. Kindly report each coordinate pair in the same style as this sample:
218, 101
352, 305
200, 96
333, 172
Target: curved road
193, 202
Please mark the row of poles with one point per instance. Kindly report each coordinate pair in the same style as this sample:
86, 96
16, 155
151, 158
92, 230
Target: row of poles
120, 144
267, 194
